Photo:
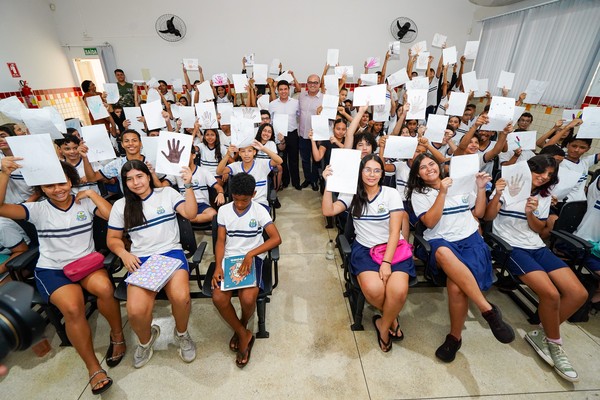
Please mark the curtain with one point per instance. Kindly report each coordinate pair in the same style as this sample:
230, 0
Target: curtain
109, 64
557, 43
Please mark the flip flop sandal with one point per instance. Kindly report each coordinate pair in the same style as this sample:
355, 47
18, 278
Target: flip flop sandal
244, 354
107, 383
385, 347
234, 343
113, 361
395, 335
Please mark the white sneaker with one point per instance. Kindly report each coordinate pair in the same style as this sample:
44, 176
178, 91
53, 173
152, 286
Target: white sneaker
561, 363
537, 340
187, 347
143, 354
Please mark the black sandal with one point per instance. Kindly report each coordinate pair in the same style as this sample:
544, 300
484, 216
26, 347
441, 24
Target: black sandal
107, 382
113, 361
234, 343
239, 359
395, 335
385, 347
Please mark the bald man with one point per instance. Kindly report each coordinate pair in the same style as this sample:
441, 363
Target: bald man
309, 100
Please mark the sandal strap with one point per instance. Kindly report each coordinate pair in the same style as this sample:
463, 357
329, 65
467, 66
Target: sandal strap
115, 358
105, 380
100, 371
117, 343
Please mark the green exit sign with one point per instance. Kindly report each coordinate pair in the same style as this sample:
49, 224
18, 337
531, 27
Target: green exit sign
90, 51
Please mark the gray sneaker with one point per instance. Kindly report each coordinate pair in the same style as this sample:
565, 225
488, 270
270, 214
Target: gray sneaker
143, 354
187, 347
537, 340
561, 363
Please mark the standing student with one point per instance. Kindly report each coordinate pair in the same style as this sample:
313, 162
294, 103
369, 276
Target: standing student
378, 216
456, 247
147, 214
559, 291
241, 224
309, 101
71, 216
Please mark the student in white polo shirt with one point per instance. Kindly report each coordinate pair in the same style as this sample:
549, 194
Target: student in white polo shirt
559, 291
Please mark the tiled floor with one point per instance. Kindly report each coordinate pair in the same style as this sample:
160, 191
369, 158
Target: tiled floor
312, 353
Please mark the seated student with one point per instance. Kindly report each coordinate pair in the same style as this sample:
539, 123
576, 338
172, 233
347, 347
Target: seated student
321, 150
73, 215
247, 216
378, 217
18, 191
13, 241
211, 151
265, 136
69, 146
559, 291
589, 229
147, 214
202, 179
576, 161
258, 168
456, 247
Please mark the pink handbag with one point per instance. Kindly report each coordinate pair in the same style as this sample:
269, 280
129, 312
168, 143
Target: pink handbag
403, 252
79, 269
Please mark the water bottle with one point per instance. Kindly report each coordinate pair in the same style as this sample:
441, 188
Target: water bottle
329, 250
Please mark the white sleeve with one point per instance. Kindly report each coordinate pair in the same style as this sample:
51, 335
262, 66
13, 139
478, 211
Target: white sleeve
421, 203
116, 220
395, 202
346, 199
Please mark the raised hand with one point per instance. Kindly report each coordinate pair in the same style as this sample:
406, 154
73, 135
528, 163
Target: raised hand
445, 184
174, 152
481, 179
9, 164
500, 185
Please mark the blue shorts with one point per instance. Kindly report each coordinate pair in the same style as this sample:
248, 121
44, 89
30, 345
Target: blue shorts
471, 251
593, 263
523, 261
50, 280
202, 207
361, 261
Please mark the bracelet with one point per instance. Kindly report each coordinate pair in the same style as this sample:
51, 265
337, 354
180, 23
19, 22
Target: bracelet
188, 185
387, 262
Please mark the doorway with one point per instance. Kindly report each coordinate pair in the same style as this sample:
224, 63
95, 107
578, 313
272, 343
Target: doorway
90, 69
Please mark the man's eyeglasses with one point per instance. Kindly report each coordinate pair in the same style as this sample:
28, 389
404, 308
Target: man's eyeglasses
313, 82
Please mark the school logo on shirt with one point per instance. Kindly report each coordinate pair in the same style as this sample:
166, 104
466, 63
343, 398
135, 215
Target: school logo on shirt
81, 216
536, 212
252, 223
160, 210
381, 208
195, 182
465, 198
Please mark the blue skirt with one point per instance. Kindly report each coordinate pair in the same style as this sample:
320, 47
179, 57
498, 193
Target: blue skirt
471, 251
361, 261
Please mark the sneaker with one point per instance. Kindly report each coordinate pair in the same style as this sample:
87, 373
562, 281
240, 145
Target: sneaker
187, 347
447, 351
561, 363
501, 330
143, 354
537, 340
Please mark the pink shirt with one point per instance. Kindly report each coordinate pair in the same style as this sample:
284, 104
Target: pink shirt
308, 108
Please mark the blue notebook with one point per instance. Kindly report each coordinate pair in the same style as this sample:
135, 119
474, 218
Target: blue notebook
232, 279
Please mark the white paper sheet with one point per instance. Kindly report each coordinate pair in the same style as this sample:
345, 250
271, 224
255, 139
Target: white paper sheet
175, 111
11, 107
518, 112
240, 81
471, 49
436, 127
249, 59
242, 132
373, 62
152, 95
419, 47
177, 85
482, 87
398, 78
394, 49
419, 82
172, 152
331, 84
469, 81
207, 115
422, 60
112, 93
261, 72
153, 115
74, 123
152, 82
96, 107
449, 55
333, 56
462, 171
262, 102
274, 66
523, 140
518, 182
438, 40
40, 164
320, 127
330, 104
188, 116
132, 114
344, 69
374, 95
590, 128
502, 111
402, 147
567, 180
149, 147
249, 113
285, 76
418, 103
57, 119
206, 92
99, 145
535, 90
381, 113
280, 124
190, 64
345, 165
457, 103
368, 79
506, 80
226, 111
219, 79
569, 115
39, 121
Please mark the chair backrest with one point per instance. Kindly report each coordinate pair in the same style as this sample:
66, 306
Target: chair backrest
570, 216
349, 229
187, 238
99, 230
29, 229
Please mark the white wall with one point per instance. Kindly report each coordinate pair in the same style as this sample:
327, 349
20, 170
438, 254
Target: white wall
28, 37
220, 33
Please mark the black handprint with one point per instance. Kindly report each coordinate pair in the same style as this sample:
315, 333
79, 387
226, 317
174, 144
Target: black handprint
174, 152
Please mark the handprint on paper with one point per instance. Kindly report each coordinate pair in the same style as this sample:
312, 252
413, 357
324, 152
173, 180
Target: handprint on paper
248, 113
174, 152
417, 105
207, 120
417, 49
372, 62
219, 80
380, 108
515, 185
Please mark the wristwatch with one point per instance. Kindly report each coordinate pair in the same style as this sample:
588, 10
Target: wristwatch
188, 185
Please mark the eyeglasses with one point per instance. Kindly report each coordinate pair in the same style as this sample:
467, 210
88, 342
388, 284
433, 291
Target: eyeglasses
371, 171
313, 82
